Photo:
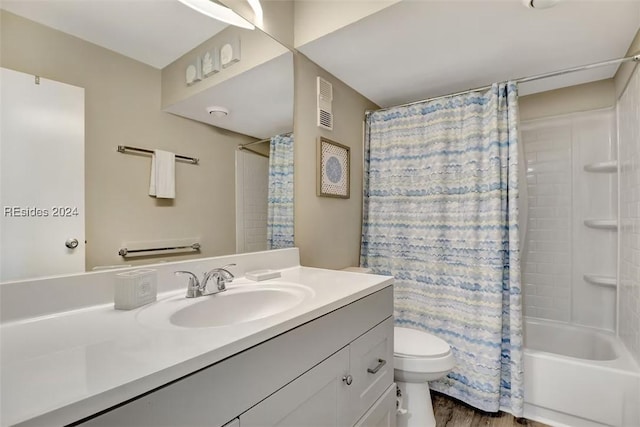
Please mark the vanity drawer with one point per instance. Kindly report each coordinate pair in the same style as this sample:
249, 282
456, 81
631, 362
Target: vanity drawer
371, 366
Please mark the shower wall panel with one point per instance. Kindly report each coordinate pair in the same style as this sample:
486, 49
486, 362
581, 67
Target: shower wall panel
559, 249
547, 257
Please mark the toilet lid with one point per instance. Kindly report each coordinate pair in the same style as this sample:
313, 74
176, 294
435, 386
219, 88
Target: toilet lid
413, 343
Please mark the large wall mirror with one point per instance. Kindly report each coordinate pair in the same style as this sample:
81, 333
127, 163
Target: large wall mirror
91, 89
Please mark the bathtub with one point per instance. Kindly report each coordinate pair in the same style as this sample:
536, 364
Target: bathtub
576, 376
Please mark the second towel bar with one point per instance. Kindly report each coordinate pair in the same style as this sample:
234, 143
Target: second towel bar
124, 251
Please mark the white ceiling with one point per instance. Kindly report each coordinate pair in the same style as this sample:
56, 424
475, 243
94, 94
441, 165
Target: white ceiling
411, 50
155, 32
416, 49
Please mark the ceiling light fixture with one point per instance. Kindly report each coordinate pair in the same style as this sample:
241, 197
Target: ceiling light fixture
540, 4
257, 12
219, 12
217, 111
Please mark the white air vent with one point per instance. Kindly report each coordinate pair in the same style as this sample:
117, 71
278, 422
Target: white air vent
325, 97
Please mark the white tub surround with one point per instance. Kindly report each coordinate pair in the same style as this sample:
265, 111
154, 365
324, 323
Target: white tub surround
581, 267
577, 376
67, 354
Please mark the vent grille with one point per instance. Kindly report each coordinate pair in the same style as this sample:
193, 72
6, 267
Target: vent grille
325, 98
325, 120
325, 89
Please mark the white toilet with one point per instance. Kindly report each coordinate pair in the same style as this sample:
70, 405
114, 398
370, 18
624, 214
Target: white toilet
418, 357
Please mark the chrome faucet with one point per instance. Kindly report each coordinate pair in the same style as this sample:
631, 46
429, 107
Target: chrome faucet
221, 275
197, 288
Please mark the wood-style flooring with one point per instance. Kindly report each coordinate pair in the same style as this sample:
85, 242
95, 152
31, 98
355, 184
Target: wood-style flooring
453, 413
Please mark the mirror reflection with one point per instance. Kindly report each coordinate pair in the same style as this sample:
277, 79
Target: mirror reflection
172, 85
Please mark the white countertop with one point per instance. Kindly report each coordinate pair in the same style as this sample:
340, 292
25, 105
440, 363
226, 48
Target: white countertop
60, 368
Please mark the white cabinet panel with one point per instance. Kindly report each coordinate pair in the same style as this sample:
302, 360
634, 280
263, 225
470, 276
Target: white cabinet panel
317, 398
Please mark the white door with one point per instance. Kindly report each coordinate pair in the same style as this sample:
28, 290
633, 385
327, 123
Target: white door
41, 177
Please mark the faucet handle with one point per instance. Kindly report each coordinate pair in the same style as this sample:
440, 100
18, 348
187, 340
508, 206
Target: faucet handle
194, 284
224, 270
192, 277
221, 275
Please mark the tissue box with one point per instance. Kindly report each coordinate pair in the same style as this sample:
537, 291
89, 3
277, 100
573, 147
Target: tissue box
135, 288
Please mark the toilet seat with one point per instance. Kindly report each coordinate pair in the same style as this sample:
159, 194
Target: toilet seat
418, 351
413, 343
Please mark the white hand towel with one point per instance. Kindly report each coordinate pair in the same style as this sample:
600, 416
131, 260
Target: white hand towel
162, 183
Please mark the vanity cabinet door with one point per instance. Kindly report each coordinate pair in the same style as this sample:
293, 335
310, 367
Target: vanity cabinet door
317, 398
371, 366
383, 412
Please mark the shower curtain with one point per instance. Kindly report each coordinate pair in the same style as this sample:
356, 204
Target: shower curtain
441, 215
280, 193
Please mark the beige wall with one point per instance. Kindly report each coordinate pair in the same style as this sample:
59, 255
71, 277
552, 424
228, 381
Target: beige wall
122, 106
327, 230
255, 48
572, 99
624, 72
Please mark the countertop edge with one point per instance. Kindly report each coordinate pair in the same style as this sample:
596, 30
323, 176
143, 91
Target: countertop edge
91, 405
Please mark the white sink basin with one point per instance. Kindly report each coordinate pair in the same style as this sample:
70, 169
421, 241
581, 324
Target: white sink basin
238, 304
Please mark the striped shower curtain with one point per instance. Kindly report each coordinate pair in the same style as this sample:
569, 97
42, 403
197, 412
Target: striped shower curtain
441, 215
280, 193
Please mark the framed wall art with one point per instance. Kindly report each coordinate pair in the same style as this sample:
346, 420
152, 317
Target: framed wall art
333, 169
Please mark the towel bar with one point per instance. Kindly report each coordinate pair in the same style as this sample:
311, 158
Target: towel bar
124, 148
123, 252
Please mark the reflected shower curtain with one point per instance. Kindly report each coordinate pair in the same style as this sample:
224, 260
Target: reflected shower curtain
280, 193
441, 215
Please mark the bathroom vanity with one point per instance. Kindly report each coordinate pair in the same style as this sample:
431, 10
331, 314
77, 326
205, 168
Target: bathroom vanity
327, 361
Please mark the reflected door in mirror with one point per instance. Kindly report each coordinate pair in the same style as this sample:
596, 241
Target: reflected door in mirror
41, 177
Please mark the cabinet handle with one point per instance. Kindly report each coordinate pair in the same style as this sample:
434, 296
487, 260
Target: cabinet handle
381, 363
348, 379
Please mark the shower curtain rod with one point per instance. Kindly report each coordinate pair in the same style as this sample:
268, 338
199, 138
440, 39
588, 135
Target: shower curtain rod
262, 140
254, 142
245, 147
634, 58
